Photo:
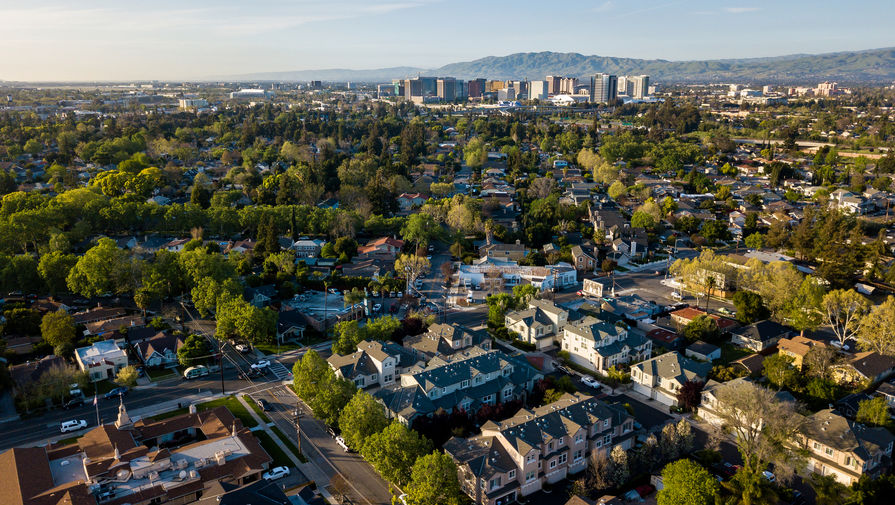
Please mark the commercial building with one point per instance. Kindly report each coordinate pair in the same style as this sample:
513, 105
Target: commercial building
538, 90
446, 88
476, 88
518, 456
102, 360
638, 86
251, 94
603, 88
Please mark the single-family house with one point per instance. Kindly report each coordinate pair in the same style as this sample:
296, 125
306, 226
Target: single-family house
662, 377
797, 347
160, 350
869, 367
102, 360
540, 324
845, 449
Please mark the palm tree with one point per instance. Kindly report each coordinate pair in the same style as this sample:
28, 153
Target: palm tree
709, 286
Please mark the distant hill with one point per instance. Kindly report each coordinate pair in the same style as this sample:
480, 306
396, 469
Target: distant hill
870, 66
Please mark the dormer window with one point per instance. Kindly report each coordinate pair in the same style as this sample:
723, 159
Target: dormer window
464, 384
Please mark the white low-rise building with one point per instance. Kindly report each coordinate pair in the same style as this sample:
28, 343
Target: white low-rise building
101, 360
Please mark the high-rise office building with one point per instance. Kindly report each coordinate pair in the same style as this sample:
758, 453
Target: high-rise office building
446, 88
538, 90
603, 88
567, 85
623, 85
639, 86
475, 88
553, 83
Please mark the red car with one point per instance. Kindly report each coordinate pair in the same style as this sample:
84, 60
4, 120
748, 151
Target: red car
644, 490
580, 293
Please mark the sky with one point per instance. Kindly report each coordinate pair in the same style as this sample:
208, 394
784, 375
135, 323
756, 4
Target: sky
87, 40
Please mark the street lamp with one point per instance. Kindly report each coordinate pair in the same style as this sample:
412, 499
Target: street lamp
297, 415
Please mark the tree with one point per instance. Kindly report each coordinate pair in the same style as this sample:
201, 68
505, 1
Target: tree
238, 318
761, 424
58, 329
54, 268
599, 470
419, 229
819, 360
127, 376
641, 219
433, 480
412, 266
196, 350
104, 268
617, 189
877, 330
842, 311
686, 482
670, 442
686, 437
689, 395
209, 292
804, 309
779, 370
755, 241
619, 467
775, 282
361, 418
703, 327
874, 412
827, 490
749, 307
394, 450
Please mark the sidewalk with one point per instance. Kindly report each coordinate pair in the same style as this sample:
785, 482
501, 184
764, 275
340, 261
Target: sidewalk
309, 469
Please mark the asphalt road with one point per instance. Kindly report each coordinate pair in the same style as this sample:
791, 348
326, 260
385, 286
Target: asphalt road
365, 485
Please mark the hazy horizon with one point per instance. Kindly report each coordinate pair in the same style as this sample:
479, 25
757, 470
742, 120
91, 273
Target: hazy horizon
99, 40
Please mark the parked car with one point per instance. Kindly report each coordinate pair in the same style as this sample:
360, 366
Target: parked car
342, 444
264, 363
334, 291
676, 296
119, 391
194, 372
74, 402
73, 425
377, 307
563, 369
332, 431
242, 348
263, 404
590, 381
769, 476
276, 473
141, 372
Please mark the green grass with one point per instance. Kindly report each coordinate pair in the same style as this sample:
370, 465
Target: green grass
280, 458
161, 373
232, 403
256, 408
731, 353
286, 440
69, 440
169, 414
272, 348
102, 387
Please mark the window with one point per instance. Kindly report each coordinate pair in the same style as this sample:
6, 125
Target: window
387, 378
373, 377
607, 439
816, 445
579, 438
507, 392
828, 451
530, 458
561, 440
579, 455
464, 384
606, 423
511, 474
530, 476
495, 483
598, 443
847, 460
478, 380
563, 458
553, 463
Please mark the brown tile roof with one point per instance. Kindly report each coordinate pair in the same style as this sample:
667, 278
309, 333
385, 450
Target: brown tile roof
26, 473
101, 442
798, 345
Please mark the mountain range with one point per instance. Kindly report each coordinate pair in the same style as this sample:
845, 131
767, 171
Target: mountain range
869, 66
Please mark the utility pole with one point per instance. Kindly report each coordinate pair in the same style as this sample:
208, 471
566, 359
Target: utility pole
298, 424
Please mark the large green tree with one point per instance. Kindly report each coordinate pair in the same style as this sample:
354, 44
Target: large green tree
361, 418
104, 268
54, 268
685, 482
394, 450
434, 480
58, 329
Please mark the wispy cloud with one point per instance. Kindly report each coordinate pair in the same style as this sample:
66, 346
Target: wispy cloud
740, 10
604, 7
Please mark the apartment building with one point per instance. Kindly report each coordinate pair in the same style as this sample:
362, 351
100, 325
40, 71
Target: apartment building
465, 380
662, 377
540, 324
516, 457
374, 364
599, 345
446, 339
844, 448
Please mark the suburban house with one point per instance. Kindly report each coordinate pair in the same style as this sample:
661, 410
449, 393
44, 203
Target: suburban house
308, 248
102, 360
867, 367
25, 374
374, 364
662, 377
584, 261
683, 317
385, 246
407, 201
709, 402
886, 390
175, 460
760, 335
599, 345
844, 448
512, 252
797, 347
97, 314
540, 324
290, 324
466, 380
703, 351
160, 350
518, 456
446, 339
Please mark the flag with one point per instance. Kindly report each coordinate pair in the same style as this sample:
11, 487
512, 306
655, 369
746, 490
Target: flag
95, 399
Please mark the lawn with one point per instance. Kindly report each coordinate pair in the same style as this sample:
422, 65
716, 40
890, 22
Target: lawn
161, 373
730, 353
280, 458
69, 440
290, 445
168, 414
256, 408
232, 403
308, 340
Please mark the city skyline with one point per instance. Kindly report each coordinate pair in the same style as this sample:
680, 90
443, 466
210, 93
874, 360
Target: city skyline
96, 40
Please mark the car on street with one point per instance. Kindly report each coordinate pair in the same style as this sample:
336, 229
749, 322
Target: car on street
676, 296
195, 372
334, 291
276, 473
119, 391
241, 348
769, 476
563, 369
74, 402
264, 363
342, 444
332, 431
263, 404
73, 425
377, 307
590, 381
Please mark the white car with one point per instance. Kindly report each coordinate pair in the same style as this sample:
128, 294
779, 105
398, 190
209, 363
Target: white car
590, 381
73, 425
276, 473
241, 347
261, 364
377, 307
769, 476
342, 444
334, 291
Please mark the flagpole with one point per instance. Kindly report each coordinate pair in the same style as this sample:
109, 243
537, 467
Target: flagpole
96, 403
